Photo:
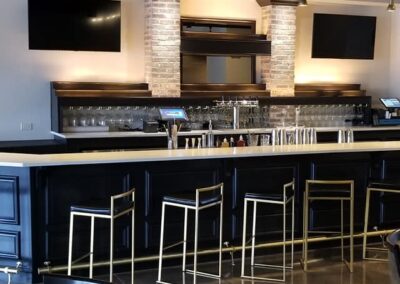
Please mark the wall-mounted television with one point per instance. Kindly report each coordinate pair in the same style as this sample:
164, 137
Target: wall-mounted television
343, 36
86, 25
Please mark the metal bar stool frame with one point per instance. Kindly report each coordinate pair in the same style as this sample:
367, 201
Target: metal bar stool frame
306, 231
197, 208
282, 203
366, 221
112, 216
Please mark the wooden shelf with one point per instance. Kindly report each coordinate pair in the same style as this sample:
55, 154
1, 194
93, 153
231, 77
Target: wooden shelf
118, 94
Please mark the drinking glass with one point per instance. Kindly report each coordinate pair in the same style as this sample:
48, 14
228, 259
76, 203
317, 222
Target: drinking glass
265, 139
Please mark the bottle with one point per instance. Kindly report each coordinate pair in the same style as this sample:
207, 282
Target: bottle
225, 143
210, 136
297, 117
186, 143
218, 143
241, 142
174, 136
203, 141
231, 142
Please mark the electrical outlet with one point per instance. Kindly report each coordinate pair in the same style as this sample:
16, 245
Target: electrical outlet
26, 126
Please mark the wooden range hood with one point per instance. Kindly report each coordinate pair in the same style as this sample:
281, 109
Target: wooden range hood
223, 43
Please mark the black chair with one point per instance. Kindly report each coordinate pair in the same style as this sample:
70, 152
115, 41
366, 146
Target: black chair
64, 279
333, 190
117, 206
393, 244
381, 187
201, 199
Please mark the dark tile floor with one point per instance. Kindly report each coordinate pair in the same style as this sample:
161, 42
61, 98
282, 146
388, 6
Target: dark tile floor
326, 268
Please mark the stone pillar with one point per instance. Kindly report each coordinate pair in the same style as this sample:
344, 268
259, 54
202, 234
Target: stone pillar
162, 47
265, 60
279, 24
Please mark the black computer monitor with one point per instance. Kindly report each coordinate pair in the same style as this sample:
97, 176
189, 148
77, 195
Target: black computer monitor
173, 114
390, 102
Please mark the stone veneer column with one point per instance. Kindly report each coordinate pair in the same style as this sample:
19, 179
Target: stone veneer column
162, 47
265, 60
279, 24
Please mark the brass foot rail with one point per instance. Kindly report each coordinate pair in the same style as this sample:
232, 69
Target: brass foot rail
9, 271
59, 268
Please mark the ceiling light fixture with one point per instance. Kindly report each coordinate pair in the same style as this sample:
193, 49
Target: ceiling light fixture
303, 3
391, 7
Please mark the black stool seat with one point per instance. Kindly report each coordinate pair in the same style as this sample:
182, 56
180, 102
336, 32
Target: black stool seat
329, 193
266, 196
385, 184
101, 207
189, 199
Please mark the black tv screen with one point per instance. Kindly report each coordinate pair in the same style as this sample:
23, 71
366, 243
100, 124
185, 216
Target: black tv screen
87, 25
343, 36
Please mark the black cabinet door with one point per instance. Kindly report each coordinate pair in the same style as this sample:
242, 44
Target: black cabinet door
16, 223
261, 175
325, 215
161, 179
66, 186
385, 206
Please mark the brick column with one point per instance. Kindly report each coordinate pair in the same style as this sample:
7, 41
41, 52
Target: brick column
265, 60
162, 47
279, 24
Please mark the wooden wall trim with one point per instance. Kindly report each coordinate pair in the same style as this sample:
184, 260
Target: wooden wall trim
328, 90
62, 85
264, 3
99, 90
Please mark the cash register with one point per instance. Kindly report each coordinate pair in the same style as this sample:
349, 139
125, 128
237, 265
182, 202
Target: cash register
388, 116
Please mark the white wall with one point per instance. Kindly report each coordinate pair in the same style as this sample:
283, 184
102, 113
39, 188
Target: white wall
25, 74
234, 9
395, 56
372, 74
226, 9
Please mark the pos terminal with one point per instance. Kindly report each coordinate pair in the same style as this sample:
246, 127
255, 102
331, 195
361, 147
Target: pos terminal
388, 117
173, 117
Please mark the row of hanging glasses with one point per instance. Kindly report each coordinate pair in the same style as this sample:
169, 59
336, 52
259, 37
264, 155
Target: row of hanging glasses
328, 115
222, 116
112, 116
199, 116
132, 117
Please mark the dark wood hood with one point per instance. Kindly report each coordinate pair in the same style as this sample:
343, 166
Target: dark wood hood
264, 3
228, 42
224, 44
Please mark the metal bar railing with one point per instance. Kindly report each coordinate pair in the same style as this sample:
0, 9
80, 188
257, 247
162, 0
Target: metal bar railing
60, 268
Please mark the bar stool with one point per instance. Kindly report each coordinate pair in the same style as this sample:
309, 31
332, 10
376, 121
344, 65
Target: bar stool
278, 199
204, 198
118, 206
377, 186
327, 190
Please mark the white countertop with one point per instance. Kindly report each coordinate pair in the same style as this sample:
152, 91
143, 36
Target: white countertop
30, 160
127, 134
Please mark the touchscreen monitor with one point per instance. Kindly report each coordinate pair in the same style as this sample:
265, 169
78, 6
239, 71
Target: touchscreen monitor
173, 114
390, 102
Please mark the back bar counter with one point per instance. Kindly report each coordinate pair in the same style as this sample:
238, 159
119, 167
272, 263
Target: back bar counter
37, 190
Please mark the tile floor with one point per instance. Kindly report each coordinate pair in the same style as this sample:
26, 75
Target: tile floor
326, 268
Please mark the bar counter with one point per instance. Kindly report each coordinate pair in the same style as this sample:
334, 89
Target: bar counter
120, 134
106, 157
38, 190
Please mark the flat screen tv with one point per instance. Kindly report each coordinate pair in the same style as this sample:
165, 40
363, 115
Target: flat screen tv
87, 25
343, 36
